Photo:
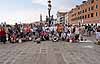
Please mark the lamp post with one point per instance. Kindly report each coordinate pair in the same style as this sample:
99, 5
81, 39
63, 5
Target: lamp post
41, 17
49, 10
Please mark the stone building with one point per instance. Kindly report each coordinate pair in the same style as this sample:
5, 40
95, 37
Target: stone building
86, 13
61, 17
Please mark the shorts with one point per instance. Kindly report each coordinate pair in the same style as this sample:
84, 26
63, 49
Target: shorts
98, 35
76, 36
72, 35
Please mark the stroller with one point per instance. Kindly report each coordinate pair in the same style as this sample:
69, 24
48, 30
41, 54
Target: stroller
55, 37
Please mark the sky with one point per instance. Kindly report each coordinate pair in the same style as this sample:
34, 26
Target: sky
27, 11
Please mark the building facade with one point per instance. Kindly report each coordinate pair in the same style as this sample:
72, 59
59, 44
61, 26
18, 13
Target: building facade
86, 13
66, 18
61, 17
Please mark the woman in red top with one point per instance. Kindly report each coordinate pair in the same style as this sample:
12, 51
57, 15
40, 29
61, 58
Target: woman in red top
2, 35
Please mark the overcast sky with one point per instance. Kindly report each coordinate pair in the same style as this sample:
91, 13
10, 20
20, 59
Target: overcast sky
13, 11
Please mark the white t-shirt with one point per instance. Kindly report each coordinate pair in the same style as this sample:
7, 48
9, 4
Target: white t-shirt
55, 28
66, 29
69, 28
44, 28
76, 30
34, 29
51, 28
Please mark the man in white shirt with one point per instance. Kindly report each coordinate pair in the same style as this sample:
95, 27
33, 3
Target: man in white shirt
76, 32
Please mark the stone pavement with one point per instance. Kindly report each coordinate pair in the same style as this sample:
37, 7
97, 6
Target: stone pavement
91, 38
49, 53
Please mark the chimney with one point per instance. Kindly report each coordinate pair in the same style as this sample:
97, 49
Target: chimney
77, 6
84, 2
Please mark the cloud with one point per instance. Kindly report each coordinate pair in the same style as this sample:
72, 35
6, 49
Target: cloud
32, 12
23, 16
67, 5
43, 2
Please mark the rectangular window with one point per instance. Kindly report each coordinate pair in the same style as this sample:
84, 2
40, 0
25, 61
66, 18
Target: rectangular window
91, 14
88, 15
88, 9
92, 8
85, 16
78, 12
96, 6
96, 13
82, 17
85, 10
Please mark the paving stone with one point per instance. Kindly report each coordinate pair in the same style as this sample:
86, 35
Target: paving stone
49, 53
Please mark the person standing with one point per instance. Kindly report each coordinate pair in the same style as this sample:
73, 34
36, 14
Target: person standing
98, 34
60, 29
77, 33
89, 30
34, 29
66, 29
2, 35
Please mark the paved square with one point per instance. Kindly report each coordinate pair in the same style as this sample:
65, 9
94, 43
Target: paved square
50, 53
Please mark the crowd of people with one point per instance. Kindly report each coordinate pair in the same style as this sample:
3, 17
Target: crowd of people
64, 32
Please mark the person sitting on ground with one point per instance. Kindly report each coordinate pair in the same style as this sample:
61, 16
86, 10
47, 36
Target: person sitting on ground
77, 33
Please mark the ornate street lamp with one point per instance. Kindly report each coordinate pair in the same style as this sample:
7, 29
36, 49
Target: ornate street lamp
49, 10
